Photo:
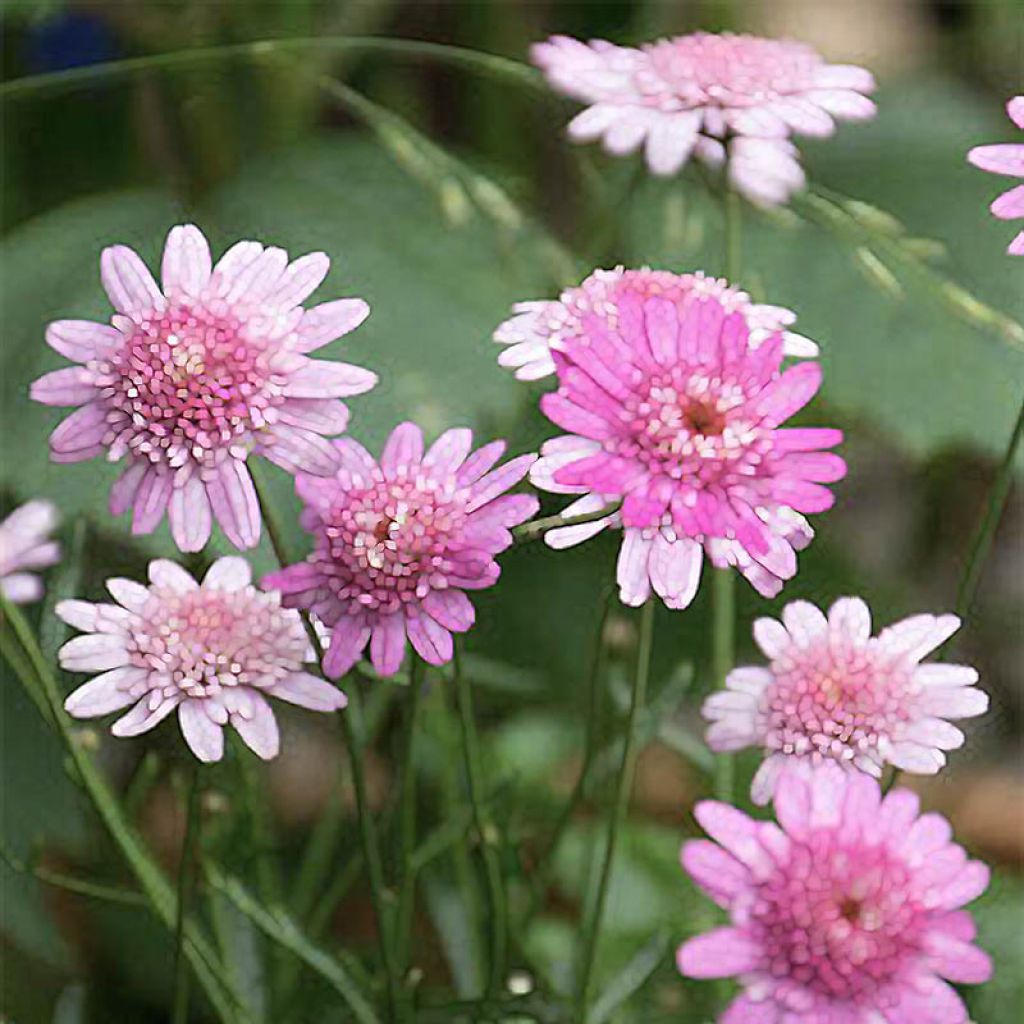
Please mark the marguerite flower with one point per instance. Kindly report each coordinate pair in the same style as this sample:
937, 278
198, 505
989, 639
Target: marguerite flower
673, 413
188, 380
542, 326
835, 692
717, 97
397, 543
1006, 158
213, 650
25, 544
849, 911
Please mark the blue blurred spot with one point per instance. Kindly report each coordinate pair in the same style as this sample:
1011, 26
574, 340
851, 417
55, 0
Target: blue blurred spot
68, 41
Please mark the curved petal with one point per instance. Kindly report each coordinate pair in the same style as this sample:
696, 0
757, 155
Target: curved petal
187, 262
203, 735
258, 728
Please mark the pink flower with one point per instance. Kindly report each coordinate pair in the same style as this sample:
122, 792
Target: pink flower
673, 412
835, 692
700, 93
397, 543
1007, 159
214, 650
540, 327
187, 381
25, 544
849, 913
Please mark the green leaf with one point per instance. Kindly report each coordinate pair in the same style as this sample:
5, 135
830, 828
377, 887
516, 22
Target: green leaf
630, 979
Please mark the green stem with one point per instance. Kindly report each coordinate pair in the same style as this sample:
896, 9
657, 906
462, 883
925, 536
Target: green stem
623, 792
981, 543
407, 816
733, 236
538, 527
486, 833
186, 872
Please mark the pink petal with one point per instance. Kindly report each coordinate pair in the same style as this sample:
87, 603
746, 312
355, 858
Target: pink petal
128, 282
934, 732
919, 635
743, 1010
309, 691
929, 999
21, 587
844, 76
387, 646
151, 501
122, 494
229, 573
80, 614
170, 576
670, 141
234, 261
451, 608
912, 757
204, 736
1015, 110
790, 393
953, 701
492, 484
319, 378
348, 640
152, 709
771, 636
299, 281
70, 386
81, 340
258, 729
81, 432
321, 415
187, 263
328, 321
793, 803
970, 882
568, 536
850, 617
631, 571
717, 872
720, 953
129, 594
1006, 158
299, 451
189, 515
846, 104
803, 622
449, 451
235, 503
674, 568
1016, 247
819, 467
431, 641
253, 282
402, 451
956, 960
1010, 204
479, 463
106, 693
94, 652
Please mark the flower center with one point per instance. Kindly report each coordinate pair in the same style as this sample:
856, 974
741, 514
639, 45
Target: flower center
837, 918
205, 640
836, 701
389, 543
188, 384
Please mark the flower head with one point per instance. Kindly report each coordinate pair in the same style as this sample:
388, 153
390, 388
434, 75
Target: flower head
540, 327
396, 544
1007, 159
25, 544
675, 414
700, 93
187, 381
214, 650
846, 912
835, 692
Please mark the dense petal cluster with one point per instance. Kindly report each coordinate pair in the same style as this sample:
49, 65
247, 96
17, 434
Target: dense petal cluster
675, 414
396, 544
25, 544
835, 692
212, 650
1008, 159
186, 381
540, 327
849, 911
716, 97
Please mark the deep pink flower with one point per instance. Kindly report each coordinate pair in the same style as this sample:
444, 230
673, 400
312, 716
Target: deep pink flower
833, 691
701, 93
1008, 159
849, 913
189, 380
397, 543
540, 327
213, 650
25, 544
673, 412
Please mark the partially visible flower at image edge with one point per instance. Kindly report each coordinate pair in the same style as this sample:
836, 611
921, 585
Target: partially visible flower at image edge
539, 327
675, 414
213, 651
834, 692
398, 542
849, 910
25, 544
734, 98
1008, 159
188, 380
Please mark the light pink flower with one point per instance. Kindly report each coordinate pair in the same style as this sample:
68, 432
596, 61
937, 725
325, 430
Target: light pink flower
699, 94
25, 544
540, 327
1008, 159
846, 912
187, 381
214, 650
835, 692
673, 412
397, 543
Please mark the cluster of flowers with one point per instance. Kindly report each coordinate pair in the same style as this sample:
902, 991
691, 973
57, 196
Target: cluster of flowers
675, 399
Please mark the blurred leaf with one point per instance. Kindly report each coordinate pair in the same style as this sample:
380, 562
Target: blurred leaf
998, 914
461, 943
630, 979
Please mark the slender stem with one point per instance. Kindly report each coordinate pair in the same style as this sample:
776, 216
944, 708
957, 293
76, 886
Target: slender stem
981, 542
80, 886
186, 873
486, 832
623, 792
407, 818
733, 236
538, 527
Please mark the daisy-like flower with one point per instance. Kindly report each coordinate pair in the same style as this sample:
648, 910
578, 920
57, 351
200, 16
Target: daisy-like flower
213, 650
542, 326
849, 911
1008, 159
396, 544
188, 380
717, 97
25, 544
835, 692
673, 413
